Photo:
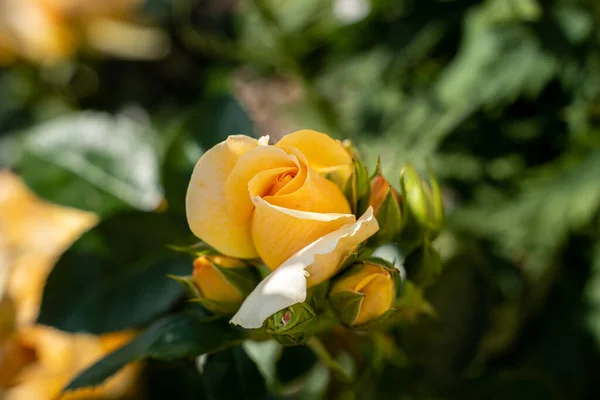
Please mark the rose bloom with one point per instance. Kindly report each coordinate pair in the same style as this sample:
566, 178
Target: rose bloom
248, 199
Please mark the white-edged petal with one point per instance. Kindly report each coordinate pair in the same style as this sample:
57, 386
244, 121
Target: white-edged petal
287, 284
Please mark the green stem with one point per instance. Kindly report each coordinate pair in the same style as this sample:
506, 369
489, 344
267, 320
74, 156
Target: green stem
321, 352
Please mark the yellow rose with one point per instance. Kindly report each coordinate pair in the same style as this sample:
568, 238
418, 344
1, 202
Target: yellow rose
362, 294
248, 199
223, 282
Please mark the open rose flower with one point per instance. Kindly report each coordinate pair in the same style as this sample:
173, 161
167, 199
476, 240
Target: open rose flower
248, 199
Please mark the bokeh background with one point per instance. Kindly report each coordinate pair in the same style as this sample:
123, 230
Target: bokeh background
105, 106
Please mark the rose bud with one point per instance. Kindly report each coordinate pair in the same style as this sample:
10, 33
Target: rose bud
364, 293
386, 205
423, 200
292, 326
223, 283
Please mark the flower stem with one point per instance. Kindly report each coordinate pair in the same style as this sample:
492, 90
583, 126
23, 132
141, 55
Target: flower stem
321, 352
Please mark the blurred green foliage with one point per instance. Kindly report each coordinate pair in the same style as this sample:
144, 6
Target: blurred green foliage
501, 96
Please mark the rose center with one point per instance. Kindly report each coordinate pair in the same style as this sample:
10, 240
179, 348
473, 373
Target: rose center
280, 182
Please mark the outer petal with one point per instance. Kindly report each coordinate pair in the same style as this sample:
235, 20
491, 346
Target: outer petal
379, 297
323, 153
206, 207
279, 232
287, 284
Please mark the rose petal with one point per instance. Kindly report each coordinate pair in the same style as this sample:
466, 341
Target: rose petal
287, 284
255, 161
279, 232
207, 212
323, 153
316, 194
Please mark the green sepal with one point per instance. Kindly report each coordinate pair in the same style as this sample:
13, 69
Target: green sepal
188, 285
244, 278
346, 305
406, 310
389, 217
217, 307
383, 321
195, 250
413, 304
378, 171
317, 296
358, 188
293, 325
436, 198
423, 265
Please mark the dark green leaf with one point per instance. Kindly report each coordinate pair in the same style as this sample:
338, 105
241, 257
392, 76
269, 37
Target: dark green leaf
231, 374
115, 276
100, 162
184, 335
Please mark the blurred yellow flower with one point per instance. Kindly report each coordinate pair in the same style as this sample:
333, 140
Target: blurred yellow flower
48, 31
33, 233
36, 362
45, 360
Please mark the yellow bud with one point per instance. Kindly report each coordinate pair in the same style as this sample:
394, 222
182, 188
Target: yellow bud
362, 294
379, 190
211, 282
386, 205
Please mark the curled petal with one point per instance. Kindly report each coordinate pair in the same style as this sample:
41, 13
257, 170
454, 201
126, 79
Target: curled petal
280, 232
207, 211
323, 153
253, 162
287, 284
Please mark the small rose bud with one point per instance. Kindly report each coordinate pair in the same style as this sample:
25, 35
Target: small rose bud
364, 293
423, 200
223, 282
386, 205
292, 326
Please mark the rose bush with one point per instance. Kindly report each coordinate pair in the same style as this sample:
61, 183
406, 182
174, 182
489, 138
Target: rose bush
248, 199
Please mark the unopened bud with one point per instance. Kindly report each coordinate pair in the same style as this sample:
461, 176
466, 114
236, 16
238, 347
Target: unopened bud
386, 206
220, 283
293, 325
423, 200
364, 293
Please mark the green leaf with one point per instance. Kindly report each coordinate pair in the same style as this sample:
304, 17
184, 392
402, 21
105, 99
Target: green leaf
187, 334
101, 163
231, 374
265, 355
115, 276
